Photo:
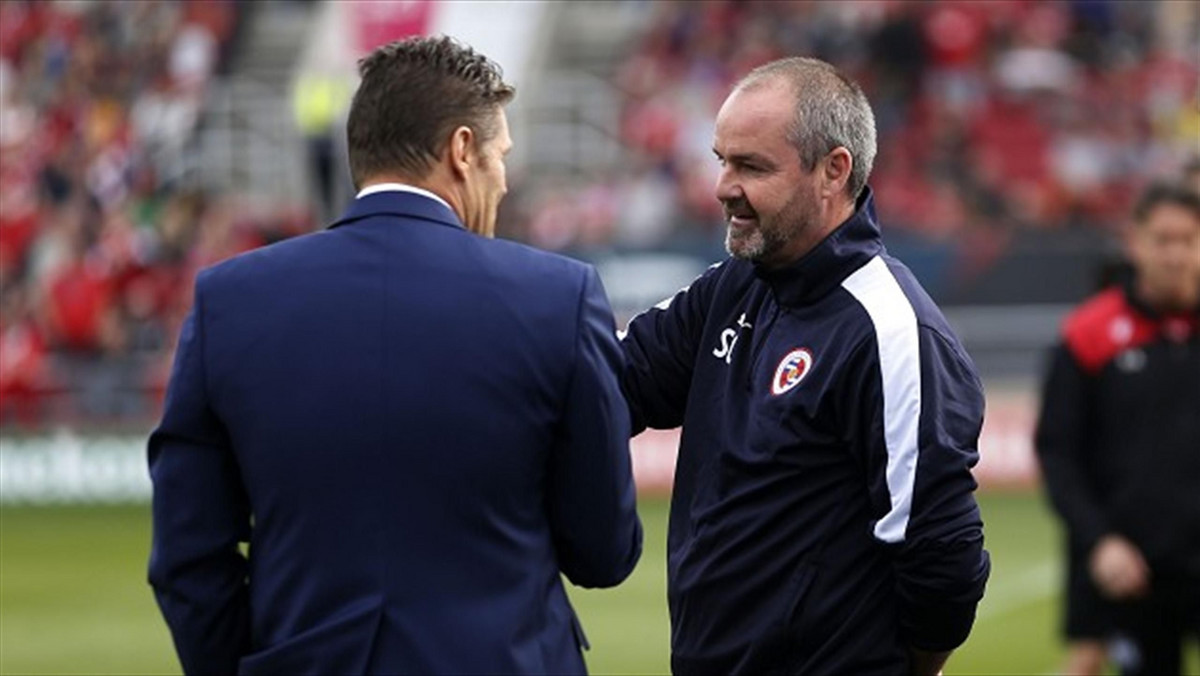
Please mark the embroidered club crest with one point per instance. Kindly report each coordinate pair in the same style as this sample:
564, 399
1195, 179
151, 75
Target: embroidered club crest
791, 370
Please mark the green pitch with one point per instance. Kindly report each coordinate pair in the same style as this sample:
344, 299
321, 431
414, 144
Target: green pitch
73, 597
1015, 633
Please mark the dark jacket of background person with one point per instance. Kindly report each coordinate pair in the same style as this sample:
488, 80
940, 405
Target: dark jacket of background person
822, 519
1119, 433
416, 429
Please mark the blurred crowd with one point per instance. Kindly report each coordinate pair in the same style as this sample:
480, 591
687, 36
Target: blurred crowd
99, 235
992, 116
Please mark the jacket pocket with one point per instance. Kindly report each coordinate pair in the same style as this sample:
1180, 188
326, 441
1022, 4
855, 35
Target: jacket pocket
784, 638
341, 645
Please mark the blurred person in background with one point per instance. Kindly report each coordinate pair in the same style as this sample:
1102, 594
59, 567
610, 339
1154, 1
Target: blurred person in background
1191, 174
1117, 439
317, 105
98, 102
22, 359
823, 517
416, 427
1002, 124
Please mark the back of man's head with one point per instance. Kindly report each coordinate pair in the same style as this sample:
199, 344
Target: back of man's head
831, 111
414, 93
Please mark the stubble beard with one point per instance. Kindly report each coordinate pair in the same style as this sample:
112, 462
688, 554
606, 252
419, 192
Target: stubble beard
765, 242
1172, 294
755, 244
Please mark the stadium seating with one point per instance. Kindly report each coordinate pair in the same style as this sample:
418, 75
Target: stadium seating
1002, 126
98, 234
1000, 115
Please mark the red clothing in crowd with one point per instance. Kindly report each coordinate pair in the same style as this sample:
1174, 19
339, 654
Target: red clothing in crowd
79, 296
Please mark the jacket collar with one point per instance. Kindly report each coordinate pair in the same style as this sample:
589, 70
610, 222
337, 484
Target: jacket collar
1134, 301
850, 246
402, 204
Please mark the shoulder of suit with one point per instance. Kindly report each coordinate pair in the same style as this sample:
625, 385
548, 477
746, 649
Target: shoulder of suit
515, 256
1102, 327
248, 262
522, 260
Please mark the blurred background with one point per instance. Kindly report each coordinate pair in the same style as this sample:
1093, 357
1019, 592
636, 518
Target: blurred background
141, 141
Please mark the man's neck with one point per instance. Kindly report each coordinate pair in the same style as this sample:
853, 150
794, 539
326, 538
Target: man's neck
432, 189
838, 214
827, 221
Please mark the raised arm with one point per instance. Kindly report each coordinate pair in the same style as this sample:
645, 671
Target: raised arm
660, 349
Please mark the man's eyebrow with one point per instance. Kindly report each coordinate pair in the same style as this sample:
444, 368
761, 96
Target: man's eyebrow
745, 158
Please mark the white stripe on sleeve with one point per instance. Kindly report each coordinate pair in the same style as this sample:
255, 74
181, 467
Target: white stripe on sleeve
877, 290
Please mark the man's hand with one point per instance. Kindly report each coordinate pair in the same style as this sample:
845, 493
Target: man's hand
1119, 569
923, 663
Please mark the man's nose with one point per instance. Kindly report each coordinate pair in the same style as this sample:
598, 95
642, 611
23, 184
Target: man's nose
727, 188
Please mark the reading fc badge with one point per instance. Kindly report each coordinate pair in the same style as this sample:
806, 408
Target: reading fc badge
791, 370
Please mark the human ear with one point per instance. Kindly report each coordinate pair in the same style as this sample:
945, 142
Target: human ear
462, 150
836, 170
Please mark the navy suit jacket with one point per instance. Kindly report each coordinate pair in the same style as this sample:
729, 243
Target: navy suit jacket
416, 429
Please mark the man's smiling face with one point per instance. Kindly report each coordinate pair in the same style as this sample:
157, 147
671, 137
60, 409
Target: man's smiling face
768, 197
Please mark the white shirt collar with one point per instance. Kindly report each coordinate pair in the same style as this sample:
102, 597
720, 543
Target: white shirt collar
400, 187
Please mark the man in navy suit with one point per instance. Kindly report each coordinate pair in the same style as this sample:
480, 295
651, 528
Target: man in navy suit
415, 427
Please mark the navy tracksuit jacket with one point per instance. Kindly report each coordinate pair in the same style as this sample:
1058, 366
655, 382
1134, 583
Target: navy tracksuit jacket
822, 519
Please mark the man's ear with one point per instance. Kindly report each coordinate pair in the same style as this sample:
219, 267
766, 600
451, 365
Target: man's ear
836, 171
462, 150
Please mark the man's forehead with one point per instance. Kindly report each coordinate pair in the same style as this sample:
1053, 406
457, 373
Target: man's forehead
760, 112
1169, 216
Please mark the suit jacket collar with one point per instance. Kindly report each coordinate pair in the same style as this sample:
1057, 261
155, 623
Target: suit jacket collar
401, 204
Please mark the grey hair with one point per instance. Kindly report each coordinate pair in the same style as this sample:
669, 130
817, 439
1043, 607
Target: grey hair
831, 111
